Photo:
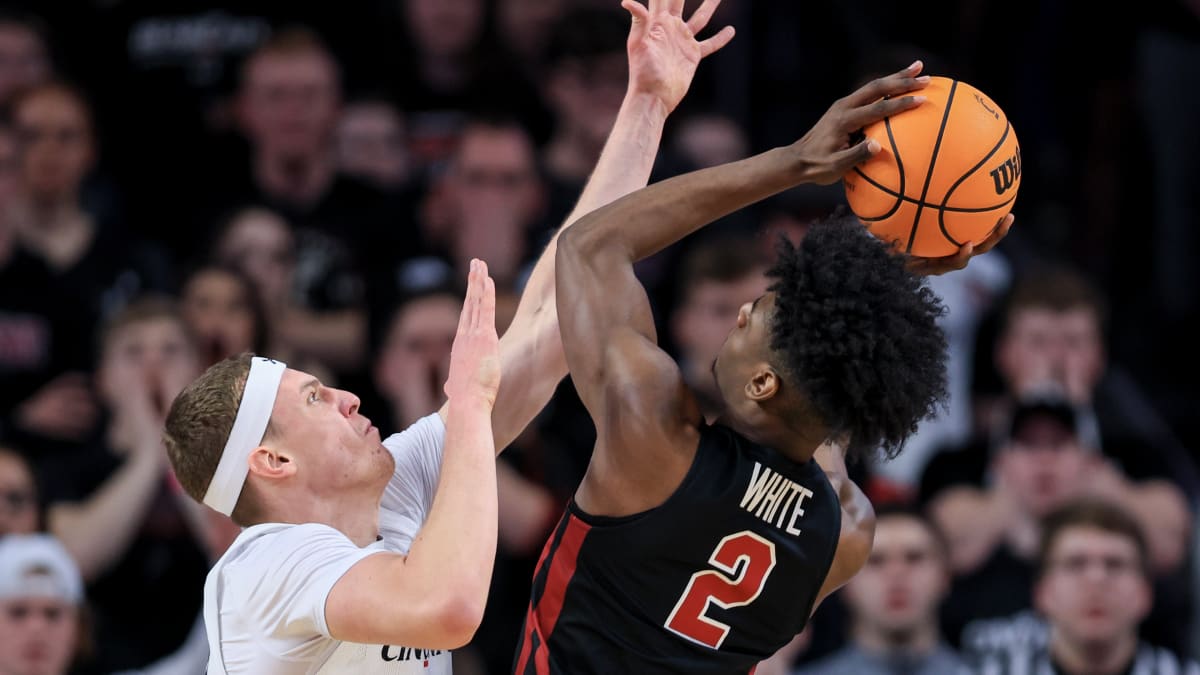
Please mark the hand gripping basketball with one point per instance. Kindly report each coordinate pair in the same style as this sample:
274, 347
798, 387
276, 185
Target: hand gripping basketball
947, 174
832, 147
475, 357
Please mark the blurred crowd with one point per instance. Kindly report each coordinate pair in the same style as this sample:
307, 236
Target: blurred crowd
181, 182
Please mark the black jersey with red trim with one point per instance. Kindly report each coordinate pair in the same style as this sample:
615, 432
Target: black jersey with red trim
717, 578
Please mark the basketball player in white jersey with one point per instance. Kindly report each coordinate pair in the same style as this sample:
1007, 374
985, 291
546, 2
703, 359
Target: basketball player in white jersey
368, 557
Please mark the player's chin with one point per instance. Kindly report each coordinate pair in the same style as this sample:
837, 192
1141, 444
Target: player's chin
383, 460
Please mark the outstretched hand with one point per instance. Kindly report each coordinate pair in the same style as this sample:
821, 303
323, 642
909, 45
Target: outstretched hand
663, 49
475, 356
931, 266
831, 148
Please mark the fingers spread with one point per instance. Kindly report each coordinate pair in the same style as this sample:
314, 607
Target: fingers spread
702, 15
717, 41
637, 10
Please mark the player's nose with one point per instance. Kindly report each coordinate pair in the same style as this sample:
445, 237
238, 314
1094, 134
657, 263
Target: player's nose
347, 403
744, 314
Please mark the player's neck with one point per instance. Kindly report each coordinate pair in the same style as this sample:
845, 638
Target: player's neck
354, 515
797, 444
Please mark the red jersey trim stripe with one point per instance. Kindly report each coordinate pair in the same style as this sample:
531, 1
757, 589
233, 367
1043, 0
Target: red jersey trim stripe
544, 614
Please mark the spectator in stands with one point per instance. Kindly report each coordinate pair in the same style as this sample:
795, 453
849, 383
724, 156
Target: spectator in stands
372, 143
221, 307
893, 604
288, 105
1094, 589
1041, 463
524, 28
446, 33
45, 397
19, 513
717, 277
583, 85
489, 204
24, 55
445, 68
93, 260
414, 356
1053, 337
114, 506
41, 598
258, 243
496, 197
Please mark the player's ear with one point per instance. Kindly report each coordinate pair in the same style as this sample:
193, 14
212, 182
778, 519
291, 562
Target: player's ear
270, 463
763, 385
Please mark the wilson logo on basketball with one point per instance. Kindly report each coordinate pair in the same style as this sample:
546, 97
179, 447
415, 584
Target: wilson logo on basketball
987, 107
1007, 173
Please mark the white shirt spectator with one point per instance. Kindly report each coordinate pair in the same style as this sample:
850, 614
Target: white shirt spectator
1027, 659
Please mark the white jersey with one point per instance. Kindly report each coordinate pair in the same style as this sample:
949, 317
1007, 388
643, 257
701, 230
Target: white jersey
264, 600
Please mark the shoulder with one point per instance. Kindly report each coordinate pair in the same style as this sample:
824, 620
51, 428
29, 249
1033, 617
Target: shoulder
275, 544
302, 562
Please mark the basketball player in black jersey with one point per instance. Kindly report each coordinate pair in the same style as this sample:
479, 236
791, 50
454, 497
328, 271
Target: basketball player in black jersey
691, 548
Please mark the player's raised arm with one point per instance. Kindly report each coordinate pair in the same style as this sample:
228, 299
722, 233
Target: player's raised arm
434, 596
661, 67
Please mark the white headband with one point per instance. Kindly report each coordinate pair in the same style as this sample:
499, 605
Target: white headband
253, 413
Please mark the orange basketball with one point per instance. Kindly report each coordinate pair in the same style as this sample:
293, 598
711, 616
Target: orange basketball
947, 173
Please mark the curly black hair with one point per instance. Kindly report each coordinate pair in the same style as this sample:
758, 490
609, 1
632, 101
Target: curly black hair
858, 332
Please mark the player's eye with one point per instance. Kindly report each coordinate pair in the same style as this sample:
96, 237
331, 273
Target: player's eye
312, 396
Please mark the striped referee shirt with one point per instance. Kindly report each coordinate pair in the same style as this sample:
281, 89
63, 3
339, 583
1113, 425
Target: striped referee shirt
1025, 659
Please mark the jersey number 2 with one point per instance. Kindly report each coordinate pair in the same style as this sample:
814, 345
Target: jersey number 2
746, 560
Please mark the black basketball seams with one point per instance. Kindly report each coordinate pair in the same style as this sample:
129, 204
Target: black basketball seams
937, 144
930, 205
965, 176
942, 205
900, 198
